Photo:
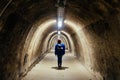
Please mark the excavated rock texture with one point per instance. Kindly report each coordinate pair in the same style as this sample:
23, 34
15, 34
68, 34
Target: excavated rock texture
100, 16
106, 40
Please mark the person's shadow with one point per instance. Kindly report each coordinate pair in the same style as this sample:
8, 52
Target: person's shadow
60, 68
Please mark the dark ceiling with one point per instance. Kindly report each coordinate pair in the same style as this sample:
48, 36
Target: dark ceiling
83, 10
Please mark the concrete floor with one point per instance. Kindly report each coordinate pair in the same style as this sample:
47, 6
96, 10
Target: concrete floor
47, 69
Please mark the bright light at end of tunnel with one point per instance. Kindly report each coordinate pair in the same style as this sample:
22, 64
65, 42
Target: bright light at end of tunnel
59, 32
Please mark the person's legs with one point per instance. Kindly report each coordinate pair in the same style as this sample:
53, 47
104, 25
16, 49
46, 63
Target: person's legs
59, 60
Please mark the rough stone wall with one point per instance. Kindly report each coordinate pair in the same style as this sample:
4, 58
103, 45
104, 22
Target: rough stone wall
104, 34
11, 37
77, 45
105, 40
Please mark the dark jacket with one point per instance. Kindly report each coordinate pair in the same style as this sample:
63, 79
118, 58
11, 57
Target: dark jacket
59, 49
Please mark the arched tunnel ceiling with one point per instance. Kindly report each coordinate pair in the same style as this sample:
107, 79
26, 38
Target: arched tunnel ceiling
33, 13
64, 37
86, 11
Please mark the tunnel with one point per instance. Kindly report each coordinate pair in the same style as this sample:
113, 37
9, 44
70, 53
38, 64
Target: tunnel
28, 35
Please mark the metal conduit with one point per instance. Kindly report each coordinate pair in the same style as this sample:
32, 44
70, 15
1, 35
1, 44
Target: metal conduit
60, 16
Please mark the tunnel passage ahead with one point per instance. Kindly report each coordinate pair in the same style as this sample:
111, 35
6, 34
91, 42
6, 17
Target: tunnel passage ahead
96, 43
47, 69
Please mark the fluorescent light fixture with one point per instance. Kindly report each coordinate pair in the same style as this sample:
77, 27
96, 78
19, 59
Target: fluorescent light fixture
59, 23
